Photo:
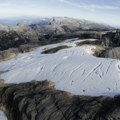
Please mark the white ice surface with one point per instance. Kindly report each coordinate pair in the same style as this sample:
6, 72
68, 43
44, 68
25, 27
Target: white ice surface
74, 70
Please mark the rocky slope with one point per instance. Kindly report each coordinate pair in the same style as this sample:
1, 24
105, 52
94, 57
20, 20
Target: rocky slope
111, 42
62, 25
22, 37
40, 101
48, 31
14, 36
111, 53
111, 39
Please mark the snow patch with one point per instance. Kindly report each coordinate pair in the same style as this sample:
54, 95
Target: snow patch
2, 116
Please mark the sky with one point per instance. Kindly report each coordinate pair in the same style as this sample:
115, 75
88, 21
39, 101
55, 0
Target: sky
102, 11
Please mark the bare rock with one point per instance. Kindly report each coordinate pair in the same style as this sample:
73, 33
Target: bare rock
40, 101
111, 39
111, 53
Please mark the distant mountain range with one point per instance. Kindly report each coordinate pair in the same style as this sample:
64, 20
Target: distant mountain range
23, 20
18, 32
48, 20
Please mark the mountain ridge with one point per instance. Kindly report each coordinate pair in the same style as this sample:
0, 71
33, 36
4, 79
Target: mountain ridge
48, 31
29, 20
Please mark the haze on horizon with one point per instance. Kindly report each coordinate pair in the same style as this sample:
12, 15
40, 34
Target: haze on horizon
102, 11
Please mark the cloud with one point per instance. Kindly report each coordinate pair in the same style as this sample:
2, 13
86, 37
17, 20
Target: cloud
91, 6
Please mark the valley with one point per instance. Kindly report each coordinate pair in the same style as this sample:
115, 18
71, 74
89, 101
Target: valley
59, 68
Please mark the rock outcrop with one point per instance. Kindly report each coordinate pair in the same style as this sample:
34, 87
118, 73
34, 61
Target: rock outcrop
111, 53
111, 39
111, 43
54, 50
40, 101
23, 37
15, 36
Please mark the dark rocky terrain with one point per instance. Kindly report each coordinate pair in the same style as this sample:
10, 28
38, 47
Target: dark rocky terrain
52, 31
111, 42
111, 53
41, 101
23, 37
54, 50
111, 39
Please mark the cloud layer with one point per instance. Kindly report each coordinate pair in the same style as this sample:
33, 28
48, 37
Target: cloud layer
113, 6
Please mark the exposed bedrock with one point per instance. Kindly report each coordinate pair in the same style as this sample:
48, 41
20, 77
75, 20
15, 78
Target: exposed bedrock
111, 39
111, 43
41, 101
111, 53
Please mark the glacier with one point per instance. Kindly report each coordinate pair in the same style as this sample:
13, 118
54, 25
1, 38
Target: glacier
74, 69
